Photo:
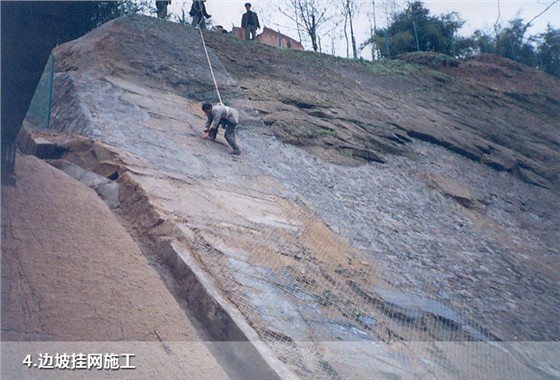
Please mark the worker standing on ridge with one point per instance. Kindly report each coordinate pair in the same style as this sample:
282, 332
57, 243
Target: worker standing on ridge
250, 22
162, 8
227, 117
198, 14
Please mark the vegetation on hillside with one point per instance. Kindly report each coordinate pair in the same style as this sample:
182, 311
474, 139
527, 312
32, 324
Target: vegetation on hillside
414, 29
410, 30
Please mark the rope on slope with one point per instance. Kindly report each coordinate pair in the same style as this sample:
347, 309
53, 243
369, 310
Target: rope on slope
210, 65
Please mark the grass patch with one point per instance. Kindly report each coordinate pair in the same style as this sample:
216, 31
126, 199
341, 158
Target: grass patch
392, 67
327, 132
319, 132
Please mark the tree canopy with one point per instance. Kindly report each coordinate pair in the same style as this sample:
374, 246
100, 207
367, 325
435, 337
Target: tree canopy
414, 29
541, 51
548, 52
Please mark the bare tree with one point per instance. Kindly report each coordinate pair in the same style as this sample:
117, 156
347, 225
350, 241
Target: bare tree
540, 14
298, 24
350, 7
265, 16
497, 22
528, 24
390, 9
333, 48
373, 15
310, 16
334, 35
372, 18
373, 29
346, 34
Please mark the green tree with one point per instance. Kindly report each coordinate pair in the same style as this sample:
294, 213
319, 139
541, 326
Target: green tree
88, 15
481, 42
541, 51
415, 29
548, 51
510, 43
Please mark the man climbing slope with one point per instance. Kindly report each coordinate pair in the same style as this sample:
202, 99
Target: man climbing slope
227, 117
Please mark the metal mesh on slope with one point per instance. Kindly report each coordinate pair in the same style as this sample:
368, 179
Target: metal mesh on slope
315, 298
319, 307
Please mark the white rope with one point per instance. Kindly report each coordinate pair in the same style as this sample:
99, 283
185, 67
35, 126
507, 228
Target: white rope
210, 65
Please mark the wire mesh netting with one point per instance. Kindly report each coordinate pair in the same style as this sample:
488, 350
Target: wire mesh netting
316, 300
309, 285
38, 114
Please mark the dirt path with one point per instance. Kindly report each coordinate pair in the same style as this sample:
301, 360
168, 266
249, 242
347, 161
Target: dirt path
70, 272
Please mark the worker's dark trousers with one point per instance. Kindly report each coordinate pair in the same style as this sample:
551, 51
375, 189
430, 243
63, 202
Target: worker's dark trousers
229, 135
250, 32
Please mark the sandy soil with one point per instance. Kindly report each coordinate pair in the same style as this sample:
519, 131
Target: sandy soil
70, 272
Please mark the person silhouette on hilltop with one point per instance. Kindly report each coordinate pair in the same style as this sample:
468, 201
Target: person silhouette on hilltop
198, 13
250, 22
162, 8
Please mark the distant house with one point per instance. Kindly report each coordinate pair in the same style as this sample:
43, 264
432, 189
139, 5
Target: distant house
272, 38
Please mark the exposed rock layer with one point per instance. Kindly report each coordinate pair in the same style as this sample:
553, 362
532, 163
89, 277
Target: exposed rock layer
367, 234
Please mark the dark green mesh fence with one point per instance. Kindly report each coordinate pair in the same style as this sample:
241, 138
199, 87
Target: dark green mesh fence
39, 112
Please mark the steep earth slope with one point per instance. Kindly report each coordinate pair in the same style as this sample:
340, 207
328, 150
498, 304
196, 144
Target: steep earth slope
386, 218
488, 109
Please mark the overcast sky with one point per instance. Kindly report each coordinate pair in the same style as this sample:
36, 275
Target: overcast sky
480, 14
